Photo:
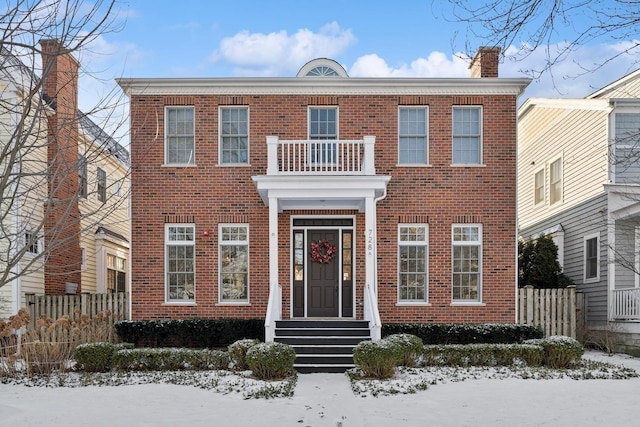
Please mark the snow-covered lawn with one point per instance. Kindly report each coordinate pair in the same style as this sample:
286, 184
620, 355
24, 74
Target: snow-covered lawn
415, 397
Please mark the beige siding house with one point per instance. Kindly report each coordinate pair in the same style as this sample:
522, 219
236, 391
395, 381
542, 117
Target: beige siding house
579, 181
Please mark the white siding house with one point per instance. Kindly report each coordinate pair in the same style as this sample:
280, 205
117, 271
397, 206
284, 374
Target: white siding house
579, 181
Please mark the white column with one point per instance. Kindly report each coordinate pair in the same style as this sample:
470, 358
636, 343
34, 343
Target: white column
272, 155
611, 264
369, 155
273, 241
370, 243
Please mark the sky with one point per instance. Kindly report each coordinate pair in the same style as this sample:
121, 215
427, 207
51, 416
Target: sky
327, 400
370, 38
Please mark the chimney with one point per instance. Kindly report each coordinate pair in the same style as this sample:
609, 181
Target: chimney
485, 63
62, 222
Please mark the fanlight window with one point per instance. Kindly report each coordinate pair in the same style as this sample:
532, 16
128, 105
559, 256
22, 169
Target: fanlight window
323, 71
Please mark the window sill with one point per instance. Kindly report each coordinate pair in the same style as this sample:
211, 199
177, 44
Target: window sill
468, 165
413, 304
413, 165
180, 304
468, 304
233, 165
591, 280
178, 165
234, 304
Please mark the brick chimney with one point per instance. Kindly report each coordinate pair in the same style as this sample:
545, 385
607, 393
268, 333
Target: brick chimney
62, 222
485, 63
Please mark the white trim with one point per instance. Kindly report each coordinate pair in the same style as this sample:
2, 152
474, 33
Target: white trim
542, 202
480, 133
584, 258
425, 108
424, 243
166, 124
166, 261
637, 257
560, 158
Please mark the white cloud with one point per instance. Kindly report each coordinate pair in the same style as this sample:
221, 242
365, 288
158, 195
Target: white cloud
437, 64
278, 53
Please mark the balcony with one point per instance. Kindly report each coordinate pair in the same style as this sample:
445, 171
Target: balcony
320, 157
625, 304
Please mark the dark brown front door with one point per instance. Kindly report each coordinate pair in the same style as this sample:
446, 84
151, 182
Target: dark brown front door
322, 279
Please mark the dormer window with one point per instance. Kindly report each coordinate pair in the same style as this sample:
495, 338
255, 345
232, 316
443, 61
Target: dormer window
322, 67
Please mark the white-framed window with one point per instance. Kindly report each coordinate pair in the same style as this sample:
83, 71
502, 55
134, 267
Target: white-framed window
234, 262
116, 187
467, 262
592, 257
83, 187
101, 178
555, 181
413, 125
538, 187
234, 135
467, 135
179, 136
180, 261
32, 242
116, 274
413, 265
625, 149
83, 256
323, 126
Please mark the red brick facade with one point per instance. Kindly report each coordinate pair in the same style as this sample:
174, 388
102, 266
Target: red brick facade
439, 195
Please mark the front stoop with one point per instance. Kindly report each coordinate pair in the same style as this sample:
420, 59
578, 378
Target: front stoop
322, 345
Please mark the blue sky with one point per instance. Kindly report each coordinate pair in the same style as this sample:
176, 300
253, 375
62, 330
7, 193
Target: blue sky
370, 38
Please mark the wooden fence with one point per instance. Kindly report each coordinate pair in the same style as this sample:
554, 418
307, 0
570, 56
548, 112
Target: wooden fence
556, 311
56, 306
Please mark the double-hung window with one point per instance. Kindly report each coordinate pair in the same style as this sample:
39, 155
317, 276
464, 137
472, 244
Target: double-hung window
467, 135
180, 136
538, 191
32, 242
555, 181
592, 258
180, 262
412, 263
412, 136
234, 263
625, 155
323, 126
467, 262
83, 189
101, 176
234, 135
116, 274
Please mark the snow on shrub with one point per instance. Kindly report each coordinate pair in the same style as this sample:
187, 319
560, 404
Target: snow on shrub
271, 360
409, 348
560, 351
377, 359
238, 352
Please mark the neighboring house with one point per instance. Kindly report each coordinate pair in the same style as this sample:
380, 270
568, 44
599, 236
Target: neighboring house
69, 211
325, 196
579, 182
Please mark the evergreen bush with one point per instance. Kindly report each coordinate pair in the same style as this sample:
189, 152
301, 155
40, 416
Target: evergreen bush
94, 357
559, 351
409, 348
453, 333
238, 352
377, 359
271, 361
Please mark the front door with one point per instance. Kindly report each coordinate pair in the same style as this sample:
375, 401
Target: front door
323, 273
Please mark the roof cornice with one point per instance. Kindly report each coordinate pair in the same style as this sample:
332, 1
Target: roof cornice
323, 86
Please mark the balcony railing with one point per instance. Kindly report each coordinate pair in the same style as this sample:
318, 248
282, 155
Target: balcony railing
320, 157
625, 304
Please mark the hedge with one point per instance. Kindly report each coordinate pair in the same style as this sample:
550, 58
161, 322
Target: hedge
450, 333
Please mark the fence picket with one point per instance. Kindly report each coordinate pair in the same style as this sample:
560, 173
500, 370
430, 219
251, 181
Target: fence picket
556, 311
56, 306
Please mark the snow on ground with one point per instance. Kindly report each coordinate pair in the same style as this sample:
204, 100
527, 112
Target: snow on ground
482, 399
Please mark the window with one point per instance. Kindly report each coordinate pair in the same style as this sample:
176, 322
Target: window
32, 243
625, 157
591, 258
412, 263
179, 143
323, 125
467, 135
234, 263
538, 192
412, 136
234, 135
180, 262
116, 187
555, 181
102, 185
82, 176
467, 262
116, 274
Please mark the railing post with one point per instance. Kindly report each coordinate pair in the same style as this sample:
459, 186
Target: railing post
272, 155
369, 167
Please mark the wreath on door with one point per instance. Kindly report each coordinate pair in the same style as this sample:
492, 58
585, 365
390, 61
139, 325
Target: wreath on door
323, 251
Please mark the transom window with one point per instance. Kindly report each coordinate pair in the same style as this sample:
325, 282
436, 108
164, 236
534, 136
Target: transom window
467, 130
180, 262
412, 135
412, 263
555, 181
234, 135
180, 132
234, 262
467, 262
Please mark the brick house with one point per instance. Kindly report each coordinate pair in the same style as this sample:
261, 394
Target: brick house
325, 196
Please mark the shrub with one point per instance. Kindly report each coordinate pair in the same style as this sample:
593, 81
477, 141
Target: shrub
560, 351
409, 348
238, 352
270, 361
377, 359
169, 359
94, 357
453, 333
482, 354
